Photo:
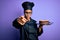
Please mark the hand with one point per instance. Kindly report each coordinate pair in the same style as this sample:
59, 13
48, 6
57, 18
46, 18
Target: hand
22, 20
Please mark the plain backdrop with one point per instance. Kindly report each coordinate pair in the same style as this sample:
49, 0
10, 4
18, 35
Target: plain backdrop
43, 10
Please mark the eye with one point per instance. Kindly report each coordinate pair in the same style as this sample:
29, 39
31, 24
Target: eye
28, 12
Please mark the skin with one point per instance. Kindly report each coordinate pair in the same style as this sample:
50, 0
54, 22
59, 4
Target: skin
27, 14
23, 19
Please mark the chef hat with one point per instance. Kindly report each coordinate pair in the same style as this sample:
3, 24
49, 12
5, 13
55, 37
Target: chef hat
27, 5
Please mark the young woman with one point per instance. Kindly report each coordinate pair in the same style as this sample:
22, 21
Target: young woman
27, 25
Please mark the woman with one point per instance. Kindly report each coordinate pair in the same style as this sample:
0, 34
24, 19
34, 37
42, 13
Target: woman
27, 25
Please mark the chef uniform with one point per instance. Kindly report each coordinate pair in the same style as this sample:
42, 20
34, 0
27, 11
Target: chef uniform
29, 30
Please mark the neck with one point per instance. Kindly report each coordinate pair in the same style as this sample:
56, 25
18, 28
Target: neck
28, 19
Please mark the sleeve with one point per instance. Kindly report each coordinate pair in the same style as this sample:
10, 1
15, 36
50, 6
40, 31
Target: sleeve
39, 33
16, 24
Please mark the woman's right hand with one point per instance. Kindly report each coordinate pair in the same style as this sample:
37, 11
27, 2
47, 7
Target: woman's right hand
22, 20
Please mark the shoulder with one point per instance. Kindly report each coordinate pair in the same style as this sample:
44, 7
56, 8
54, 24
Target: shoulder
15, 20
33, 20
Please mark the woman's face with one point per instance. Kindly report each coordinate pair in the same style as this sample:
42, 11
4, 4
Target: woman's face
27, 13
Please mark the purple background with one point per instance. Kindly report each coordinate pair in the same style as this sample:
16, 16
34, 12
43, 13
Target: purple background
43, 9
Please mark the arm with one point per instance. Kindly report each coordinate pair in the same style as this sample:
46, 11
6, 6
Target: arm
40, 30
16, 24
